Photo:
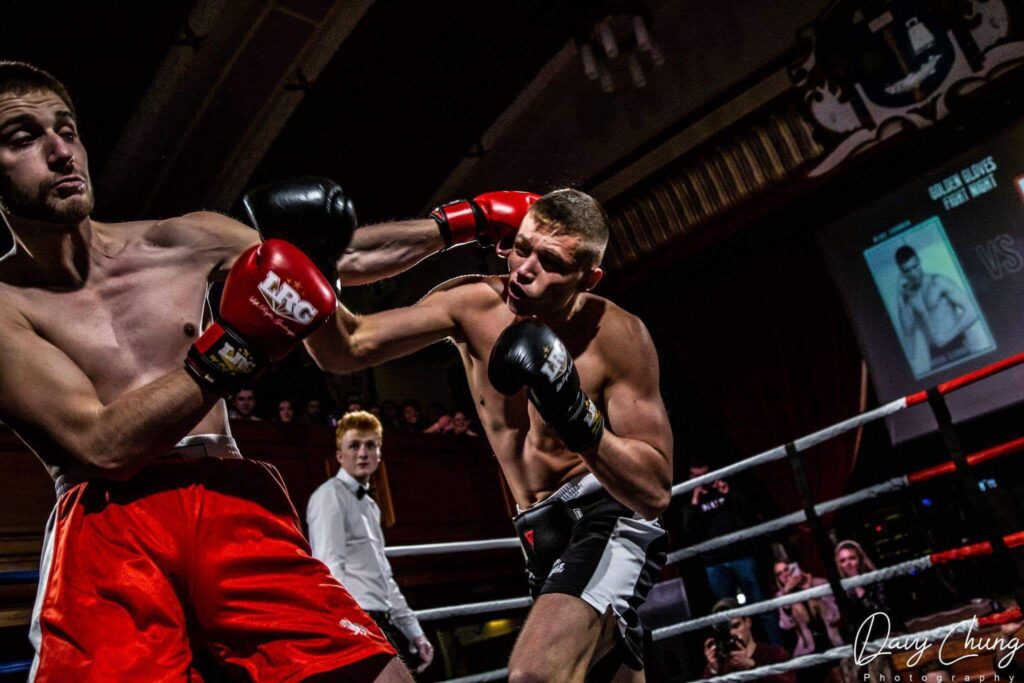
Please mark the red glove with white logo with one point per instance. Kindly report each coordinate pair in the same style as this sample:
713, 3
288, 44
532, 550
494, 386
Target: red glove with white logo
490, 218
274, 297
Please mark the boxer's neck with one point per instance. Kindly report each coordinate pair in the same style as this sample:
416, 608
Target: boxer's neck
55, 254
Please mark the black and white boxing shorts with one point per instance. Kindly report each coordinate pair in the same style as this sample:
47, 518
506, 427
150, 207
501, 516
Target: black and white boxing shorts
582, 542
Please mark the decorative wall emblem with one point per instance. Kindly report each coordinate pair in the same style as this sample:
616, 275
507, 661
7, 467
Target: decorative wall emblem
870, 69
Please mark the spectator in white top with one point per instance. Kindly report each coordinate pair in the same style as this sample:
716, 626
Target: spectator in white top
345, 533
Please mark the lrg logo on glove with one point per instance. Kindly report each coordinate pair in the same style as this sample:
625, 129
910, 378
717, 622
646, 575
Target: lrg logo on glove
285, 301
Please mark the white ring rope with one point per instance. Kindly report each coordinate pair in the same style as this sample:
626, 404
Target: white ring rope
884, 574
454, 547
869, 493
801, 444
472, 608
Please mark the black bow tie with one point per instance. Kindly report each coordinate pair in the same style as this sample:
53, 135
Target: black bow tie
363, 492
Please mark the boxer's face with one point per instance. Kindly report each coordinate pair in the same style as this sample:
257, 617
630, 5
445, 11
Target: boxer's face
359, 453
911, 270
544, 272
44, 170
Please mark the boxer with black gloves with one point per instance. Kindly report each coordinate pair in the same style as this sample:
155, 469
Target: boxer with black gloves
165, 534
566, 384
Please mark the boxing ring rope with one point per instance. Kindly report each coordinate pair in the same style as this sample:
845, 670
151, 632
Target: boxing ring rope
454, 547
923, 562
822, 435
869, 493
844, 651
865, 494
972, 550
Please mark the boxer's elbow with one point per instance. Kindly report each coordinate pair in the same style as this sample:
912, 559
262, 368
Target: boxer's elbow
653, 504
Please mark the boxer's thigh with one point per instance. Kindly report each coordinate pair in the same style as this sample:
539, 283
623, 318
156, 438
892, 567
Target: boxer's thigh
111, 608
264, 605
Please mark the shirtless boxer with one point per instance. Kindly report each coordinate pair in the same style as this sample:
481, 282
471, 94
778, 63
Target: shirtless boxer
934, 307
586, 450
164, 550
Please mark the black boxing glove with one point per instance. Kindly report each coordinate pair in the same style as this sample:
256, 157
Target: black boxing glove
529, 354
312, 213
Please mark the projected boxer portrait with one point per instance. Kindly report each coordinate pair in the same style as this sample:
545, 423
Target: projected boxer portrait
929, 299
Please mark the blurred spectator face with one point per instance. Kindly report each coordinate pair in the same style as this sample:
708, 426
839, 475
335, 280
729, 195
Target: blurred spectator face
354, 407
313, 409
285, 411
359, 453
849, 563
411, 414
740, 628
374, 410
698, 470
460, 423
244, 402
389, 409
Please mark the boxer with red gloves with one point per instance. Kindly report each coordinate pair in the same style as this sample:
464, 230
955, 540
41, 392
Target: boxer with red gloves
168, 553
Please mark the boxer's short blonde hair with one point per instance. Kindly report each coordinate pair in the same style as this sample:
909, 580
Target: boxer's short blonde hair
358, 421
575, 213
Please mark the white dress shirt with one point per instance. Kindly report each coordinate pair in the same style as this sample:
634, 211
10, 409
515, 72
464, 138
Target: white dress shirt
345, 534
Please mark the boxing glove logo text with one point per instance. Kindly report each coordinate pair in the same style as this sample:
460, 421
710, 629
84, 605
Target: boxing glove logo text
285, 301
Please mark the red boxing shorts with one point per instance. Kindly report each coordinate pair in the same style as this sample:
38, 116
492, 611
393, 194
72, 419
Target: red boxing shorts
192, 559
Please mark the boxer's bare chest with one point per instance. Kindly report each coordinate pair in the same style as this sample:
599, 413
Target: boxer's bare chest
130, 321
532, 457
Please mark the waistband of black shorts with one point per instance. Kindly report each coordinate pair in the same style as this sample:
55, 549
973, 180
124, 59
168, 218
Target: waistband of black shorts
193, 446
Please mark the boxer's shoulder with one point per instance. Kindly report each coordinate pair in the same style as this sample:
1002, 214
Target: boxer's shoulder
213, 238
475, 291
199, 228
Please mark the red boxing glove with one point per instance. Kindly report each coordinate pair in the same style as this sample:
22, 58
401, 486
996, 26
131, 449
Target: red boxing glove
274, 297
490, 218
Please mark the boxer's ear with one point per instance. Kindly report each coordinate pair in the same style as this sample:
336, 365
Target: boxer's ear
591, 278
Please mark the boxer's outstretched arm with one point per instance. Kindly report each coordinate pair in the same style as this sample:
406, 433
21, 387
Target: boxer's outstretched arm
633, 460
51, 403
353, 342
387, 249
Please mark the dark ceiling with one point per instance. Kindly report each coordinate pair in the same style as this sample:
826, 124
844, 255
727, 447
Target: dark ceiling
106, 53
410, 91
405, 96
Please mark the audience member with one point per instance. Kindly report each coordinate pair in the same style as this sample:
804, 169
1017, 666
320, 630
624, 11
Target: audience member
411, 421
314, 412
285, 410
461, 424
815, 621
732, 647
851, 560
243, 405
345, 534
715, 510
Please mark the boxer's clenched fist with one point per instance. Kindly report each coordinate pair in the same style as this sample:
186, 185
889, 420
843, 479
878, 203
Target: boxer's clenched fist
490, 218
274, 297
